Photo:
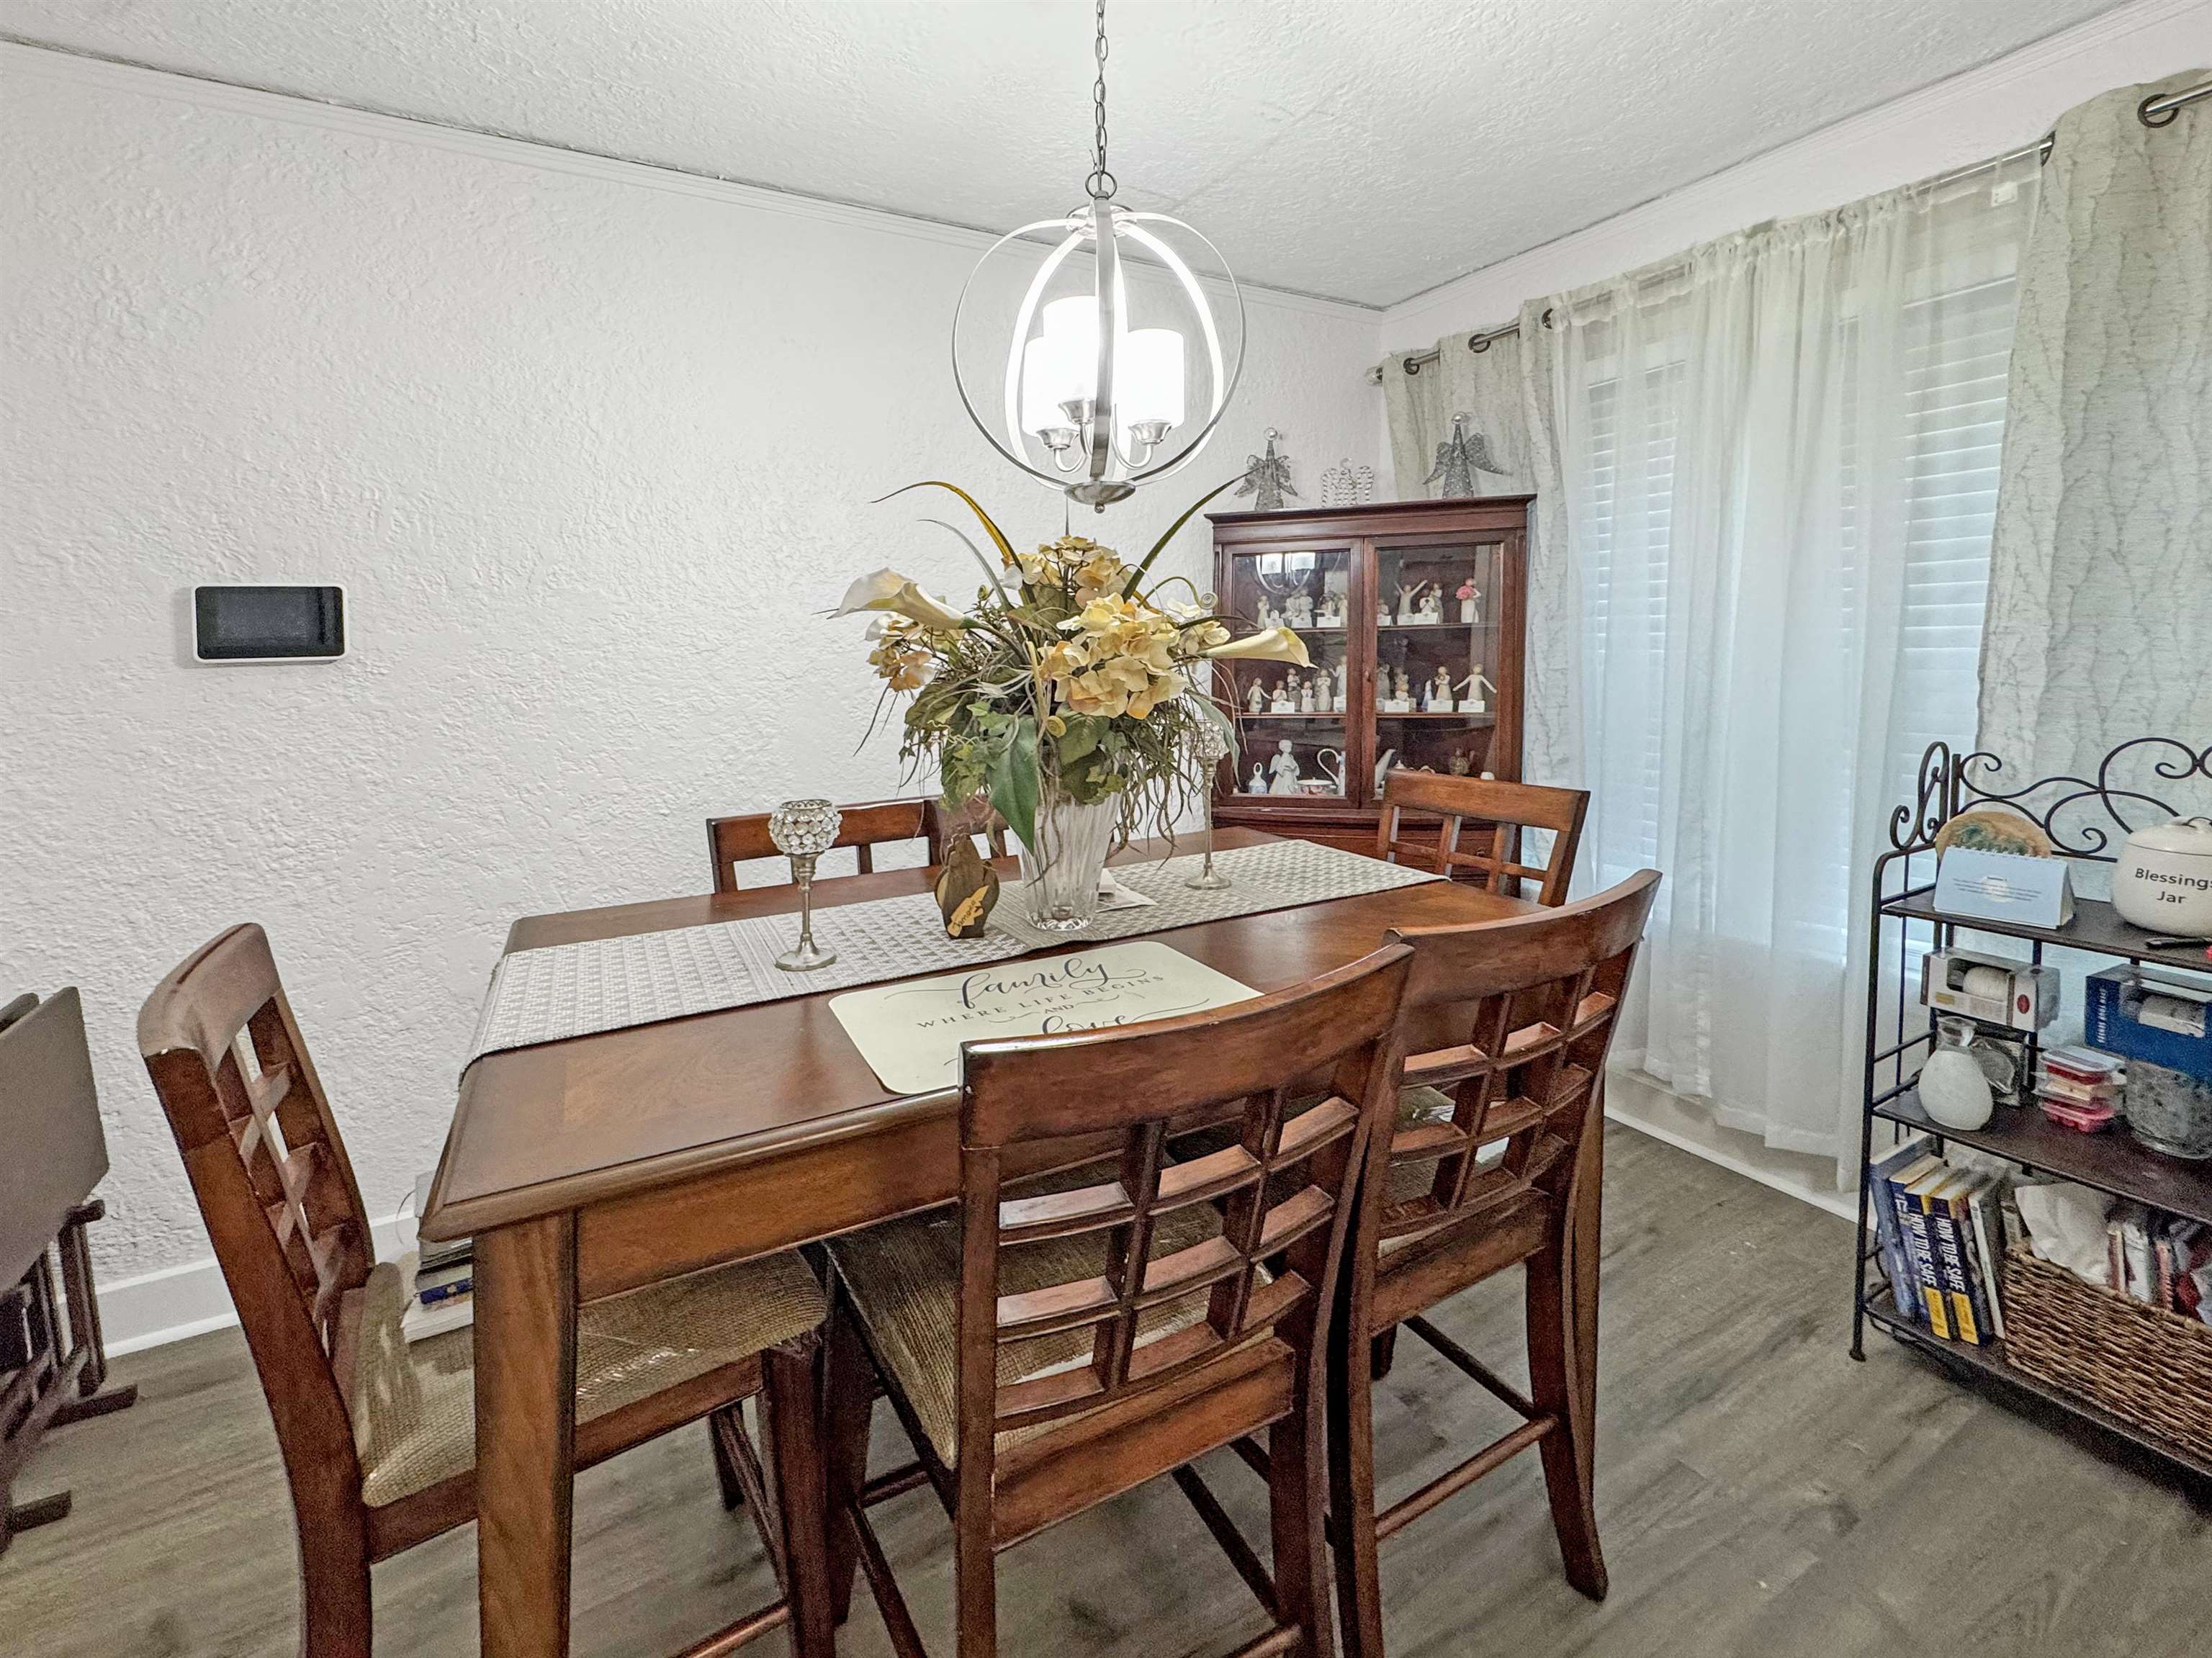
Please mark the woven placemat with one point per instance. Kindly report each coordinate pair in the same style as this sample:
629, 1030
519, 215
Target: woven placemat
561, 991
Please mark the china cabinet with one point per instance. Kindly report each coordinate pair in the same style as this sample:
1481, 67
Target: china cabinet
1413, 612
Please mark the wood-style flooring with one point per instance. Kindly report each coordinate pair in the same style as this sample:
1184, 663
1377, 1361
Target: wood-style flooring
1760, 1495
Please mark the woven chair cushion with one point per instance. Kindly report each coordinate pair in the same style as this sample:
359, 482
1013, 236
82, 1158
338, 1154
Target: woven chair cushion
1421, 1104
414, 1406
904, 1278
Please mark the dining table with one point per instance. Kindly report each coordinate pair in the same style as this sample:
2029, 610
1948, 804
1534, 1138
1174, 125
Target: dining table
586, 1167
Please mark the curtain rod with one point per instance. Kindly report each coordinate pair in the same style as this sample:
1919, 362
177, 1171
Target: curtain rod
2155, 112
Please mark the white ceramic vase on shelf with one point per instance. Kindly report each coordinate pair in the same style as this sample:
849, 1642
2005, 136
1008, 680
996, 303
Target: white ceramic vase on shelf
1060, 873
1954, 1089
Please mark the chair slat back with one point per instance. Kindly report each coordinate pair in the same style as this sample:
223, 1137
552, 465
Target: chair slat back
274, 1184
734, 841
1282, 1188
1507, 808
1523, 1012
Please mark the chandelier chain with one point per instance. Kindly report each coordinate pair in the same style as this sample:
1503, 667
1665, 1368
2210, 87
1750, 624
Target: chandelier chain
1101, 184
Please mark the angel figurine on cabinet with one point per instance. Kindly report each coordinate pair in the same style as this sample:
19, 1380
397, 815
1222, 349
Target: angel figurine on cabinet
1283, 770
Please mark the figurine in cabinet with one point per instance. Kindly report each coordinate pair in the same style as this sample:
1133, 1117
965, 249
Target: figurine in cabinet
1409, 602
1305, 696
1267, 618
1257, 700
1343, 686
1403, 691
1297, 612
1331, 614
1471, 689
1470, 602
1286, 698
1432, 608
1439, 700
1283, 769
1259, 783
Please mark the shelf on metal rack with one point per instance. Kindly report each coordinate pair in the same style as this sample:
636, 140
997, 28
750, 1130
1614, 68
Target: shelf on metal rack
2096, 927
2113, 1161
1990, 1361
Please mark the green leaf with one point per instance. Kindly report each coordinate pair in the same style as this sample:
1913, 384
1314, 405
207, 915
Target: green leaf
1160, 546
997, 535
1082, 738
1013, 781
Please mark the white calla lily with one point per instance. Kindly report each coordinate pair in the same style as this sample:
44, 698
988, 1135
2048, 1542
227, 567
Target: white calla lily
1269, 644
887, 589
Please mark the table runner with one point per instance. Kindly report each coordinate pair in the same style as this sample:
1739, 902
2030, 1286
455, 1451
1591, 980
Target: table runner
559, 990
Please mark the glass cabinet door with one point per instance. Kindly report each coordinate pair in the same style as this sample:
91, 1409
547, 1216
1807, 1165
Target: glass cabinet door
1438, 606
1293, 724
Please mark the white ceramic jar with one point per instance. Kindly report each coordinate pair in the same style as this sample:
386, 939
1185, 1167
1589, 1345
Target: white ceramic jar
2163, 879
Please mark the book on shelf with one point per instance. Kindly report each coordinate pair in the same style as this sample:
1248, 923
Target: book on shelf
1941, 1235
433, 1257
1897, 1260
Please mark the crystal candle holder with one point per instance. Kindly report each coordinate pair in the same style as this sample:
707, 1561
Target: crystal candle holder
803, 830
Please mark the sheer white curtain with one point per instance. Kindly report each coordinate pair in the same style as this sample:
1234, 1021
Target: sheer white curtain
1775, 465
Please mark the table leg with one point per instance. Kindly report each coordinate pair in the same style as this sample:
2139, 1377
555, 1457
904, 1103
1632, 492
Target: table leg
526, 1372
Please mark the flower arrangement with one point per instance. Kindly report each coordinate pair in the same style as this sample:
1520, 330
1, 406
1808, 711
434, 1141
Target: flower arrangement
1067, 681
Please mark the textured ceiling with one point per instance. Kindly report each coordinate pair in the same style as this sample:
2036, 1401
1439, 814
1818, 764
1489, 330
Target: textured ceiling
1364, 151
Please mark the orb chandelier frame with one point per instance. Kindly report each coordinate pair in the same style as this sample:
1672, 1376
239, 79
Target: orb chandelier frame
1099, 397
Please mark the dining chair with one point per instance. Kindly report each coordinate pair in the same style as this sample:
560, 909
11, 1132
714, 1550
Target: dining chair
1507, 808
378, 1434
1048, 1347
1506, 1027
734, 841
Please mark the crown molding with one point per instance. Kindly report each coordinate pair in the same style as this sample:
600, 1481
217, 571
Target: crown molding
1629, 231
80, 69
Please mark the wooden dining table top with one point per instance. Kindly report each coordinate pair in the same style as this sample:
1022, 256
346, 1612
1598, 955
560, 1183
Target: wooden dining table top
591, 1119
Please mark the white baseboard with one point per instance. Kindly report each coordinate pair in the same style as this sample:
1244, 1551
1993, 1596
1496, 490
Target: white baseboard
190, 1300
1650, 1110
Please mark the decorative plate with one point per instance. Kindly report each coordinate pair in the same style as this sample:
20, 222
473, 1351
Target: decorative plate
1993, 830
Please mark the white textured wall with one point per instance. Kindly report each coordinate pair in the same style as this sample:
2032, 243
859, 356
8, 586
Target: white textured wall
589, 447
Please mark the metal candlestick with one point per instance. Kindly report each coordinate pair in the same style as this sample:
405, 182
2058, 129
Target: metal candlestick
1211, 748
803, 830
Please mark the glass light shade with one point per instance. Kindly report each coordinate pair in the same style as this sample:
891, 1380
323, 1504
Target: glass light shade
1177, 378
1044, 378
1149, 371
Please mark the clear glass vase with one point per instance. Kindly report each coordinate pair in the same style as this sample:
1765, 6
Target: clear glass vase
1060, 873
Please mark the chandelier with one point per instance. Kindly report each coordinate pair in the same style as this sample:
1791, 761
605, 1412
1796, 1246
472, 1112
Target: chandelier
1092, 402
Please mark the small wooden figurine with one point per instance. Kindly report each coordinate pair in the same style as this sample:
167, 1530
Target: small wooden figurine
967, 888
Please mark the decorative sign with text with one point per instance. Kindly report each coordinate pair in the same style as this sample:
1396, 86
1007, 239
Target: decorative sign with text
910, 1032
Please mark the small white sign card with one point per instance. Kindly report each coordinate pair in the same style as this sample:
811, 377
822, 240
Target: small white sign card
909, 1032
2004, 886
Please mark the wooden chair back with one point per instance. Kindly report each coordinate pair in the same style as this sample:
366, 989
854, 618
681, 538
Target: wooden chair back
1282, 1190
1513, 1019
1507, 808
734, 841
275, 1186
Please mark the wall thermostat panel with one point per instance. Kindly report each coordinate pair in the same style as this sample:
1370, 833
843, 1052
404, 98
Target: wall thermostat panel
267, 623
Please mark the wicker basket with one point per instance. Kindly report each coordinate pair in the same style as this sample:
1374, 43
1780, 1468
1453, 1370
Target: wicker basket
2151, 1367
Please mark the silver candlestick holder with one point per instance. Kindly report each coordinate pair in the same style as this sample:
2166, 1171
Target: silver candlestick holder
803, 830
1209, 747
